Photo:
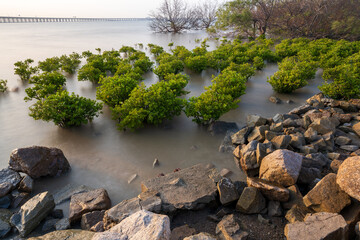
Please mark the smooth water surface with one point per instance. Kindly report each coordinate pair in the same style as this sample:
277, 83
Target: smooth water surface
100, 155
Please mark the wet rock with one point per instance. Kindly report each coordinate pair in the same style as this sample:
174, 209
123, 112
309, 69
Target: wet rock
241, 136
32, 212
274, 209
282, 167
319, 226
88, 220
197, 189
71, 234
229, 229
5, 226
132, 178
82, 203
274, 99
179, 233
349, 148
39, 161
251, 201
26, 184
141, 225
227, 191
270, 190
49, 225
201, 236
348, 177
281, 142
255, 120
62, 224
302, 109
220, 127
9, 180
69, 190
5, 201
18, 198
297, 213
225, 172
327, 196
258, 133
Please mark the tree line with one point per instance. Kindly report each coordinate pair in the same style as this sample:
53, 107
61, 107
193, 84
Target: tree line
315, 19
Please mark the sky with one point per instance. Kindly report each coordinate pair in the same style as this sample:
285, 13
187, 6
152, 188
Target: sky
79, 8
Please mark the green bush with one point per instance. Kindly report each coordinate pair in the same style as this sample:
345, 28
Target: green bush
45, 83
196, 63
24, 70
3, 86
174, 66
65, 110
50, 64
293, 74
70, 63
115, 90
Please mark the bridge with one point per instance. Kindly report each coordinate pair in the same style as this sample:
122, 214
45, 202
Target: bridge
52, 19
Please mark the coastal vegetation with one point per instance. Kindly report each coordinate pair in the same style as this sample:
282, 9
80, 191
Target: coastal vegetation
3, 86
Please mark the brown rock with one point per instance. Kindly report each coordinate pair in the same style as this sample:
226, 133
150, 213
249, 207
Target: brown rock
258, 133
318, 226
323, 125
297, 213
229, 229
351, 215
99, 227
348, 177
282, 167
179, 233
295, 198
281, 142
241, 136
251, 201
26, 184
327, 196
335, 164
356, 128
201, 236
248, 160
82, 203
271, 191
39, 161
88, 220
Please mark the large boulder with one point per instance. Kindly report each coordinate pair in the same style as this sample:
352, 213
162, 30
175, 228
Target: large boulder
191, 188
32, 212
229, 229
318, 226
270, 190
140, 225
251, 201
9, 180
348, 177
82, 203
327, 196
72, 234
39, 161
282, 167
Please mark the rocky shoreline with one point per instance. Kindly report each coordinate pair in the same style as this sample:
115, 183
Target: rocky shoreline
303, 182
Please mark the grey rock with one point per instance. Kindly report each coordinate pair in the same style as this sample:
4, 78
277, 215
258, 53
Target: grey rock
5, 226
349, 148
39, 161
290, 123
278, 118
150, 201
227, 191
26, 184
71, 234
198, 188
269, 190
251, 201
297, 141
281, 142
32, 212
179, 233
5, 201
65, 193
18, 198
277, 127
274, 99
9, 180
62, 224
311, 135
318, 226
301, 109
201, 236
88, 220
308, 175
258, 133
308, 149
57, 213
156, 163
241, 136
49, 225
316, 160
255, 120
323, 125
228, 228
248, 159
99, 227
329, 140
220, 127
227, 145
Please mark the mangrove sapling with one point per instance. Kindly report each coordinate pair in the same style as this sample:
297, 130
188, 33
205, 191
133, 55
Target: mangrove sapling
50, 64
70, 63
65, 110
3, 86
24, 70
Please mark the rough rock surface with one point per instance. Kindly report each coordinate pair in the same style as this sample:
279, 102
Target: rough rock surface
69, 190
270, 190
140, 225
348, 177
39, 161
282, 167
227, 191
26, 184
9, 179
32, 212
251, 201
327, 196
71, 234
189, 188
5, 226
82, 203
88, 220
201, 236
318, 226
228, 229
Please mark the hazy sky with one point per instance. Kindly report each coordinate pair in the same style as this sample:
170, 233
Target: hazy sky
79, 8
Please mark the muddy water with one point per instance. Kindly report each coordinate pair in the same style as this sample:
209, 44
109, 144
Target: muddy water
100, 155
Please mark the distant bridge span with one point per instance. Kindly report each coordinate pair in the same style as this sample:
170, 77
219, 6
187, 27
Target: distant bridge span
51, 19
